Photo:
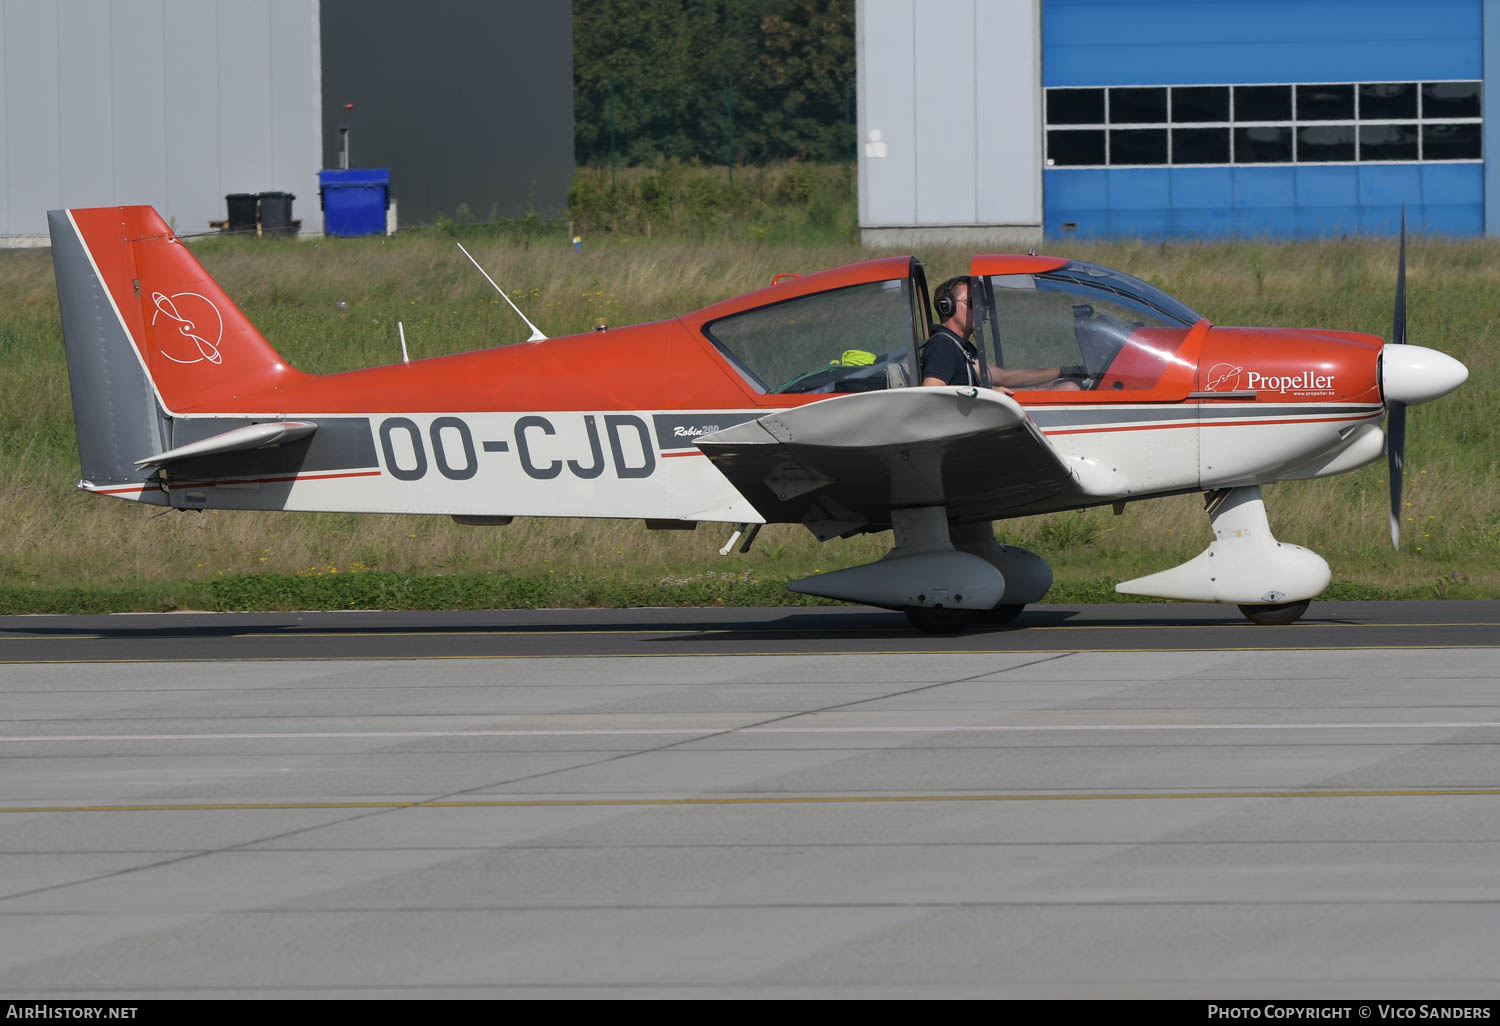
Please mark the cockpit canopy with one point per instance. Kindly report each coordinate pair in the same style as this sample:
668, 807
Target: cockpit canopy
857, 338
1111, 331
1120, 332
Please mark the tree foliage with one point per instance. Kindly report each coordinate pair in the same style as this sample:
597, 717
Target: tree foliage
685, 77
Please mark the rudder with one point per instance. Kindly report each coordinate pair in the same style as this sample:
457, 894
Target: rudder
115, 410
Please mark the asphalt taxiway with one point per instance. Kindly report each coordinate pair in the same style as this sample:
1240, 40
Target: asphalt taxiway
1105, 801
743, 631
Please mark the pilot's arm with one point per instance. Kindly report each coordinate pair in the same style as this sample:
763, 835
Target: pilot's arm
1020, 377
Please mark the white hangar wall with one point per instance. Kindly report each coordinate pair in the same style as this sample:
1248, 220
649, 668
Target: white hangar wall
175, 103
949, 121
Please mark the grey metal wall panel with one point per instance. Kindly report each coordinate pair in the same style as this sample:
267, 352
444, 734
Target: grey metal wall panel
245, 97
169, 102
466, 102
86, 145
888, 183
194, 130
30, 56
954, 87
1007, 58
137, 87
4, 129
943, 51
296, 125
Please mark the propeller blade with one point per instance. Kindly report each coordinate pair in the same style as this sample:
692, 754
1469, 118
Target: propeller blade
1395, 454
1395, 427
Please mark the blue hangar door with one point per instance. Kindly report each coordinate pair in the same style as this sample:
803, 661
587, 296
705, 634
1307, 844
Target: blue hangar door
1283, 118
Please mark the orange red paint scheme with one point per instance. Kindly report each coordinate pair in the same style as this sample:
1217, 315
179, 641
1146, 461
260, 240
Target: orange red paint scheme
593, 424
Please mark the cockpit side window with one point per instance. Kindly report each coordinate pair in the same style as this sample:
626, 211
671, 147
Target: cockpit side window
852, 339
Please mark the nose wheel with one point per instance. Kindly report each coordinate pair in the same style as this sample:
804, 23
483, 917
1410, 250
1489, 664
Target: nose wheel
1277, 614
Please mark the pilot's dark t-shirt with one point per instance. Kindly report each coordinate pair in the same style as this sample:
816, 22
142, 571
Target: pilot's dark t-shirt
946, 356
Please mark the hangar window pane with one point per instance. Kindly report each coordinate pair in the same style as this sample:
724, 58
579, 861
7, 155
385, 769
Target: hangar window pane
1137, 106
1075, 146
1200, 103
1451, 142
1325, 103
1270, 144
1328, 122
1263, 103
1138, 146
1450, 100
1200, 145
1325, 143
1381, 100
1387, 142
1075, 106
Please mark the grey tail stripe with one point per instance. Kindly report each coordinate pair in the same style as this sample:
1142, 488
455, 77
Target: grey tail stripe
114, 406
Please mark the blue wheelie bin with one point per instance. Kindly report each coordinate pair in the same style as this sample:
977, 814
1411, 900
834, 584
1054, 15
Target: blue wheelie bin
355, 201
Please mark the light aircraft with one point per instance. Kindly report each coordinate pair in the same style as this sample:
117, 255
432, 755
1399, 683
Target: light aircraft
795, 403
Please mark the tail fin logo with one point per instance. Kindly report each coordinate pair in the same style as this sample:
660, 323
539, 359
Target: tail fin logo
198, 323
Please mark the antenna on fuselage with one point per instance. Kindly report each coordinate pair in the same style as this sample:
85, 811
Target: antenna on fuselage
402, 329
536, 334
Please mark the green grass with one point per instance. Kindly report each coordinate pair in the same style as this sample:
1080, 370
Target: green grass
333, 305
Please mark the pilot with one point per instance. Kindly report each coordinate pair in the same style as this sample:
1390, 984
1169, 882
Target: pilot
949, 358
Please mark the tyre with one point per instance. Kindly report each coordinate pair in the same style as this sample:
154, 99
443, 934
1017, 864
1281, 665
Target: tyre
1277, 614
1001, 614
937, 620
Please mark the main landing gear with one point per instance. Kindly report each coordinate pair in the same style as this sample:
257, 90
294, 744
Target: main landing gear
945, 577
937, 620
955, 621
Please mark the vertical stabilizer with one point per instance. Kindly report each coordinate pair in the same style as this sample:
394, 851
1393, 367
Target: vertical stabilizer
149, 336
199, 351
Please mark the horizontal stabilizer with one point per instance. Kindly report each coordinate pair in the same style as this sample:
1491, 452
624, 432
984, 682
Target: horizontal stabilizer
251, 436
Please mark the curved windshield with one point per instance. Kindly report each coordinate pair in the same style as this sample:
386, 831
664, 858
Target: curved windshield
1081, 327
1147, 300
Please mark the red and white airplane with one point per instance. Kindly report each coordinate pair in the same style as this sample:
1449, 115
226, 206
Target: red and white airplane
796, 403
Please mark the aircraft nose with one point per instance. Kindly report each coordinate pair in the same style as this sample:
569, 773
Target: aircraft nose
1415, 374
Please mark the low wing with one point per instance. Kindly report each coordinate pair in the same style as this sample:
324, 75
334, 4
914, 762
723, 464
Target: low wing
841, 465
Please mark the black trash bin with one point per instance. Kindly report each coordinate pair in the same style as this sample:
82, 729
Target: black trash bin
241, 211
276, 212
